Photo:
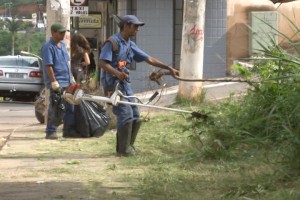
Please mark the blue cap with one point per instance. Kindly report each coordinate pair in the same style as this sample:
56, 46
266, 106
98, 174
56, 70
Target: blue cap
132, 19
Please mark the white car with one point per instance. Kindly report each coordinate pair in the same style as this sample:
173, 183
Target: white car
20, 77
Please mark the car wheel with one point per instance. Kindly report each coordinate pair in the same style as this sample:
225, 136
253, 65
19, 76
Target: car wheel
40, 117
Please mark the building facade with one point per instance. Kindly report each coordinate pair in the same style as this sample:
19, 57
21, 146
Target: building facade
240, 37
227, 34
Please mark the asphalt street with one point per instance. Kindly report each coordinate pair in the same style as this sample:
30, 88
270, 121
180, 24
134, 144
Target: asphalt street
14, 116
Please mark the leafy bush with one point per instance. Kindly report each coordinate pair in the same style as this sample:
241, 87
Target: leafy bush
31, 42
266, 118
5, 43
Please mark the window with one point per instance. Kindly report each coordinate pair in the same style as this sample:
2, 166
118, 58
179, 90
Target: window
19, 61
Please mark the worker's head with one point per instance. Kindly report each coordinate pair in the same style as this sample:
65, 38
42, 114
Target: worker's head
58, 27
131, 23
58, 30
131, 19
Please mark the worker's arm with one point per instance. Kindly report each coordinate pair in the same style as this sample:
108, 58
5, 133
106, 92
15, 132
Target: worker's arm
157, 63
50, 72
108, 68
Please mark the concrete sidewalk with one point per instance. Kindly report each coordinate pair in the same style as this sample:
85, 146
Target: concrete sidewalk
211, 91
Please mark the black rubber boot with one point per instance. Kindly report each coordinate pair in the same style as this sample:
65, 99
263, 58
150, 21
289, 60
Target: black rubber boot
135, 129
123, 147
70, 132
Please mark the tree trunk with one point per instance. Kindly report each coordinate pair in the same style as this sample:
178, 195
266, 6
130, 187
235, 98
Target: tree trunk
13, 44
192, 48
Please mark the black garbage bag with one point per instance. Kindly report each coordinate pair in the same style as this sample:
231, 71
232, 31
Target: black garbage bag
91, 119
56, 107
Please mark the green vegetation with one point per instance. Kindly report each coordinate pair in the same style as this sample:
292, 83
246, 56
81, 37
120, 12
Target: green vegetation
31, 42
258, 134
13, 26
5, 43
178, 164
21, 2
248, 148
17, 36
172, 164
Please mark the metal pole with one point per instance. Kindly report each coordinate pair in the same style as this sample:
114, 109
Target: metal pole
30, 54
76, 24
108, 100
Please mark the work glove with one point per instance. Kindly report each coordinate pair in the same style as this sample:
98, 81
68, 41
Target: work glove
55, 85
73, 80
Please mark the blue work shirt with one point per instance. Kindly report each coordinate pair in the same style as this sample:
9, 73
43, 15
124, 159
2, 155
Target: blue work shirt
127, 51
58, 58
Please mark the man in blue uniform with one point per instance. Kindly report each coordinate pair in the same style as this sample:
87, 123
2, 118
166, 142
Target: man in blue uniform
57, 76
115, 54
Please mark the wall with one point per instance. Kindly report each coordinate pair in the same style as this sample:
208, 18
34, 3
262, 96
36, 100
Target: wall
155, 38
237, 21
215, 39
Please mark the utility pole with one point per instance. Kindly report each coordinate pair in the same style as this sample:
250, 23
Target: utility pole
58, 11
192, 49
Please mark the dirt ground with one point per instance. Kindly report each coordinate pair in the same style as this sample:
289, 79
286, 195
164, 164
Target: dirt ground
33, 168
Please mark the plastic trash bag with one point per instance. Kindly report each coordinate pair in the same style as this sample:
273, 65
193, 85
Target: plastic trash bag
91, 119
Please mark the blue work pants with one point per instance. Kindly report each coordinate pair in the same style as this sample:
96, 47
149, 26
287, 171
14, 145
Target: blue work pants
123, 112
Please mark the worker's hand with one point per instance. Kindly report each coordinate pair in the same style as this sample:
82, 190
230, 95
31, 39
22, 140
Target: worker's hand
174, 71
122, 76
55, 85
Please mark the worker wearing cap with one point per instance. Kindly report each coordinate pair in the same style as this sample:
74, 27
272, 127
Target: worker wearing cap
113, 62
57, 76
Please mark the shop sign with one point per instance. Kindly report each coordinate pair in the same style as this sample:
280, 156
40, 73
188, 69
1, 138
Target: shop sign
90, 21
79, 8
